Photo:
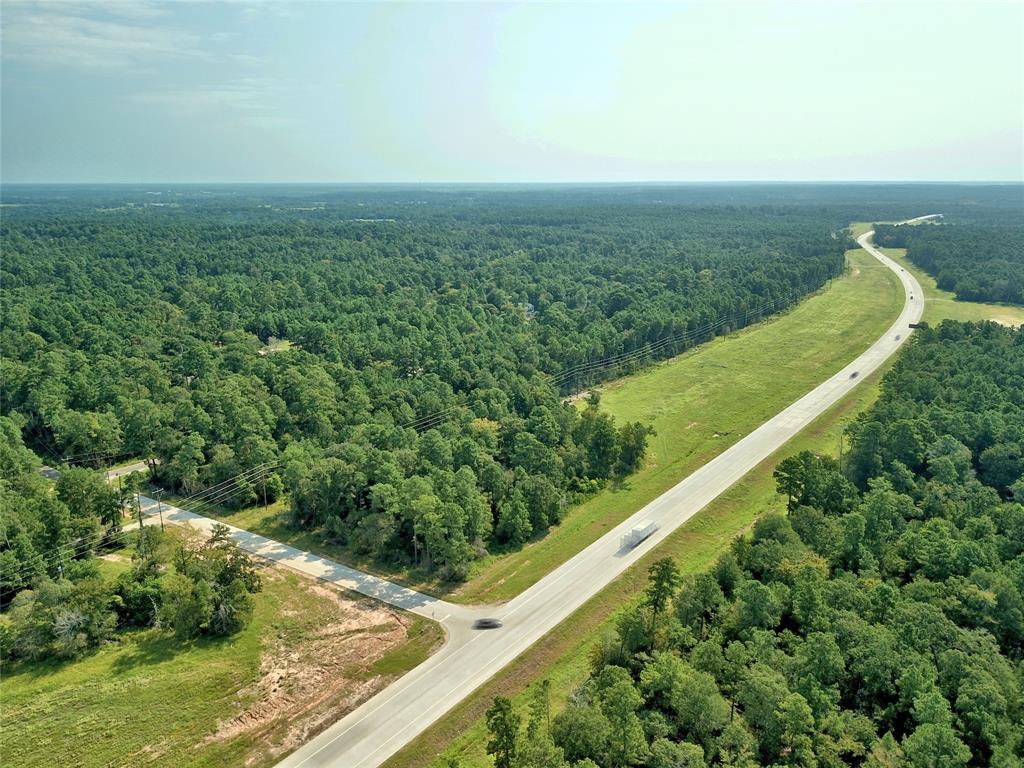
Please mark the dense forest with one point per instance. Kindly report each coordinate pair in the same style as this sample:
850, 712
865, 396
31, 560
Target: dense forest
880, 623
398, 368
976, 262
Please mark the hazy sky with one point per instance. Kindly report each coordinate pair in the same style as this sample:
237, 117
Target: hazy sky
333, 92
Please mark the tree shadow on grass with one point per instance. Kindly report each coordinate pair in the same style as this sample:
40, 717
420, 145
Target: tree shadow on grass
135, 648
620, 485
37, 669
159, 647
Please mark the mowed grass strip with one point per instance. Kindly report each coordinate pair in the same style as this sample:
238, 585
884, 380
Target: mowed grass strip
150, 699
943, 305
702, 402
561, 655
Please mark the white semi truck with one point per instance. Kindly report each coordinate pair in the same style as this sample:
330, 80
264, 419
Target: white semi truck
637, 534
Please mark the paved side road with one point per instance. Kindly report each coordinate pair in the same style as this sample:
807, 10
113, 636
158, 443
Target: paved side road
370, 734
315, 566
296, 559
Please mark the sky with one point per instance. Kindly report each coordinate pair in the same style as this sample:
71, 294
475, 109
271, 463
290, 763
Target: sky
113, 91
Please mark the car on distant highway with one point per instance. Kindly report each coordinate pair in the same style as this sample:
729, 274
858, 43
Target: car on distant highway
854, 374
486, 624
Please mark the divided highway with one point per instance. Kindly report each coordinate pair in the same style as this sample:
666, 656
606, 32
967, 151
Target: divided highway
380, 727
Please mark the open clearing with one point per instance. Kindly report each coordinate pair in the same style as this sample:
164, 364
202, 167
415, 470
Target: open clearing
942, 305
310, 654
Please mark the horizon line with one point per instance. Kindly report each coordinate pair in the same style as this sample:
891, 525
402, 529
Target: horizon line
411, 183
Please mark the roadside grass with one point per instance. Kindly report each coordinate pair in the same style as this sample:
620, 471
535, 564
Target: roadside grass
858, 228
271, 521
704, 401
122, 464
423, 638
561, 655
943, 305
149, 699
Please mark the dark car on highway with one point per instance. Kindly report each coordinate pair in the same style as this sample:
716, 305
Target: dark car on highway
486, 624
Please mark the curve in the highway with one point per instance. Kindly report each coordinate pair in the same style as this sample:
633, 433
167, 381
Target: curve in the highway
369, 735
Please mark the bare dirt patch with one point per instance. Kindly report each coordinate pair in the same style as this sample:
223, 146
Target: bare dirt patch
1008, 320
305, 684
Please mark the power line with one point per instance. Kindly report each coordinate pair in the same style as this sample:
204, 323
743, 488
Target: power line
430, 420
73, 551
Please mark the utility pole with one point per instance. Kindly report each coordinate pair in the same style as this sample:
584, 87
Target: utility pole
160, 508
142, 533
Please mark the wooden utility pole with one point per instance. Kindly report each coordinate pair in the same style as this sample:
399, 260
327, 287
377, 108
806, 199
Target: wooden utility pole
160, 508
142, 533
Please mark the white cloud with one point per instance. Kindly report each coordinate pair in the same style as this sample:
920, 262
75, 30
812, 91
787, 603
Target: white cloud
106, 34
252, 101
92, 36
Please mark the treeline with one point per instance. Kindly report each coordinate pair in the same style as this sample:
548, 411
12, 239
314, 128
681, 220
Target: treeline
880, 623
977, 263
411, 409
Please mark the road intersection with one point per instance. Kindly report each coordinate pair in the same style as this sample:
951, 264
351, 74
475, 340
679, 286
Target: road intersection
370, 734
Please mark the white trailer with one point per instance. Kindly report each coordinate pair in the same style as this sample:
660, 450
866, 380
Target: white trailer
637, 534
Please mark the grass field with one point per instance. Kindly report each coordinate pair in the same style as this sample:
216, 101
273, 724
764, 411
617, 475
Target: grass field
858, 228
942, 305
152, 700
